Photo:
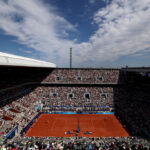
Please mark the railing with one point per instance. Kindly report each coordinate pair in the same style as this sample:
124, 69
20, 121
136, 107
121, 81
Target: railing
11, 134
73, 113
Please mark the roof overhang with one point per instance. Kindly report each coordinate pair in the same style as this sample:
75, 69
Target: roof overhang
13, 60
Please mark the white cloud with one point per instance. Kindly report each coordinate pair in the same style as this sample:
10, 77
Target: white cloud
123, 29
37, 27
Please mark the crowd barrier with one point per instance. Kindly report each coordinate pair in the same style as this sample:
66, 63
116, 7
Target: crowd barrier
73, 113
11, 134
83, 106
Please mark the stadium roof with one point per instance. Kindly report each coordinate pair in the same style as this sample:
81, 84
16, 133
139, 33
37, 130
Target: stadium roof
13, 60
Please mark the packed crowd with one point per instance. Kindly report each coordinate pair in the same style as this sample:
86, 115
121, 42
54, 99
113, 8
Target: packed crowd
93, 76
132, 105
5, 95
87, 98
18, 113
74, 143
20, 76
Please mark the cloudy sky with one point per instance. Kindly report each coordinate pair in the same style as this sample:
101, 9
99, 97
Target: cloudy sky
102, 33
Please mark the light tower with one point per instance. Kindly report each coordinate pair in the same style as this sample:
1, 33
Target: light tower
70, 57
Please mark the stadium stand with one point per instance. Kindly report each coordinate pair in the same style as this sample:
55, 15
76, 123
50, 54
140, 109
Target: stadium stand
93, 76
26, 91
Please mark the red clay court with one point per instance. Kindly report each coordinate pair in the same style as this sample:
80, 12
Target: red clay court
55, 125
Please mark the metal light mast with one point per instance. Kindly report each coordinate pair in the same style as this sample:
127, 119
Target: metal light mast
70, 57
